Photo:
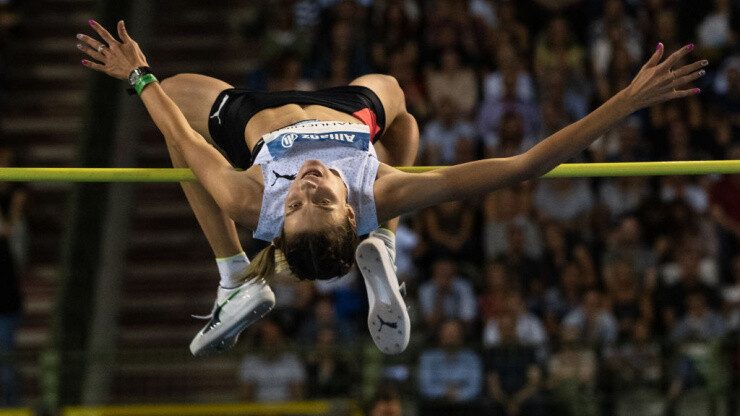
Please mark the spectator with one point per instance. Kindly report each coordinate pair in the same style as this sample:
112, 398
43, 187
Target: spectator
567, 201
699, 322
327, 369
529, 328
324, 316
450, 372
637, 362
498, 280
674, 298
446, 296
714, 32
622, 196
454, 83
12, 256
273, 374
724, 207
628, 301
572, 377
386, 402
614, 30
595, 324
506, 207
449, 229
557, 51
731, 296
443, 132
563, 298
527, 267
514, 379
626, 245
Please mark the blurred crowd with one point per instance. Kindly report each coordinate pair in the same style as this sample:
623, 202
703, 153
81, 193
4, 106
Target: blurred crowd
556, 293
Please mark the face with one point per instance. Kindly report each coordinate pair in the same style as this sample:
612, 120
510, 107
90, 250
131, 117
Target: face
317, 198
387, 408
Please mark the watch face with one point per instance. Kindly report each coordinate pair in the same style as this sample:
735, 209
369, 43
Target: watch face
134, 76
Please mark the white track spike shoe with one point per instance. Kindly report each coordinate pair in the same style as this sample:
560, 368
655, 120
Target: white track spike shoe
388, 318
234, 310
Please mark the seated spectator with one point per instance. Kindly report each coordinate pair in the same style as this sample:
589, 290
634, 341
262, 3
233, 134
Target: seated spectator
595, 324
567, 201
698, 355
699, 322
714, 32
517, 257
731, 297
449, 228
273, 374
572, 377
450, 372
529, 328
626, 245
563, 298
724, 207
324, 316
673, 299
509, 140
557, 50
498, 280
446, 296
500, 210
638, 362
453, 83
327, 369
615, 25
514, 379
441, 134
386, 402
629, 301
287, 75
622, 196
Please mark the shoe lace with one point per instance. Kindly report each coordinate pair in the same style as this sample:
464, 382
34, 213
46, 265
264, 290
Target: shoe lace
206, 317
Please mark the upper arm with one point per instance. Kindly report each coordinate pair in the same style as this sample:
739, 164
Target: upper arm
236, 193
398, 192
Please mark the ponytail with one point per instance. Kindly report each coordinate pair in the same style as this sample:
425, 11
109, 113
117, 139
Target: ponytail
268, 262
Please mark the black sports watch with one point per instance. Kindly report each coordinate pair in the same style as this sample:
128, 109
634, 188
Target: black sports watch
134, 77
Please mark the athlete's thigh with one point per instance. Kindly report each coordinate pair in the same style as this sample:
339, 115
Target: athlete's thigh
195, 94
388, 91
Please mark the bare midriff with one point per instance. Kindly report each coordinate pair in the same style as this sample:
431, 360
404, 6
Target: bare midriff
273, 119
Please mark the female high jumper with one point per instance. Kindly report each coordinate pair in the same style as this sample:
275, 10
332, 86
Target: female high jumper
312, 182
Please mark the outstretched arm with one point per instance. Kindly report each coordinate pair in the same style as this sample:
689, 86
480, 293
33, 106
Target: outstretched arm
656, 82
233, 191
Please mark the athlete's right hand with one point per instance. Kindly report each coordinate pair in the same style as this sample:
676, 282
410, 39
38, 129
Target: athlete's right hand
117, 59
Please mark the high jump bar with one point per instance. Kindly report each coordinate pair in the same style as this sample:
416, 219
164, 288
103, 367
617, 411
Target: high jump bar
573, 170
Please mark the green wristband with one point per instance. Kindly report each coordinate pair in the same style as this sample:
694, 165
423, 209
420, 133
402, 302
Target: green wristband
143, 81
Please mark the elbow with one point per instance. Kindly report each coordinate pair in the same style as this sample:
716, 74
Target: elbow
526, 168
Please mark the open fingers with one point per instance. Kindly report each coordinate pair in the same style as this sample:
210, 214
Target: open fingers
92, 43
676, 56
680, 81
687, 69
122, 33
103, 33
93, 53
93, 65
682, 93
656, 56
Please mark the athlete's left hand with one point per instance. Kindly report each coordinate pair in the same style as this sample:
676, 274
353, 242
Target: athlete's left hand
117, 59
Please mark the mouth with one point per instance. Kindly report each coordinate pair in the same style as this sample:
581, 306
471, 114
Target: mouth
311, 172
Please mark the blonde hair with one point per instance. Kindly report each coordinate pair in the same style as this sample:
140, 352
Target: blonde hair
268, 262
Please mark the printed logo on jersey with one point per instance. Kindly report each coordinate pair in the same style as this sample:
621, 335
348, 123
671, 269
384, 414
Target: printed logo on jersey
288, 139
327, 133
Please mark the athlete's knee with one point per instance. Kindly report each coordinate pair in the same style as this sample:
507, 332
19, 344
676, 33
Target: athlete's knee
174, 83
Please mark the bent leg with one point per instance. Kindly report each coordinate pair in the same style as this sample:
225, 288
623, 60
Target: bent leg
194, 95
399, 141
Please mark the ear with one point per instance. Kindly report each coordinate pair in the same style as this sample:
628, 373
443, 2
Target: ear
351, 215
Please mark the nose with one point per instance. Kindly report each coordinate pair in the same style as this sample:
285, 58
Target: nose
308, 185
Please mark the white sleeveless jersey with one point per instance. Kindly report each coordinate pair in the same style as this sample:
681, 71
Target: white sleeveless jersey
344, 147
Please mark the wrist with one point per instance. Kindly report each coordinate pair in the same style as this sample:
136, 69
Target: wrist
626, 102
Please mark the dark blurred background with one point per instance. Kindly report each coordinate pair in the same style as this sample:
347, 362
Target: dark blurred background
554, 297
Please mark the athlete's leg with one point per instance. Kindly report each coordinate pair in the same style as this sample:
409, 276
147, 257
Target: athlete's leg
399, 142
195, 94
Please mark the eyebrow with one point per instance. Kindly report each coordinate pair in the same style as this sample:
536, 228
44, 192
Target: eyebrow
324, 207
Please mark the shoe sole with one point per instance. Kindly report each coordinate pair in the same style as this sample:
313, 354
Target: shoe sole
225, 342
388, 309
